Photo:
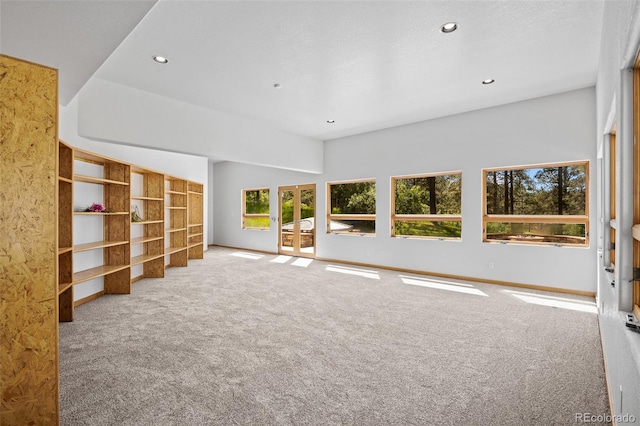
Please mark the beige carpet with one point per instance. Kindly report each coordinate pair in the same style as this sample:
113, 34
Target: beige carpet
240, 339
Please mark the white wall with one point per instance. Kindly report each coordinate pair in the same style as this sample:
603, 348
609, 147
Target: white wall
180, 165
146, 119
550, 129
620, 41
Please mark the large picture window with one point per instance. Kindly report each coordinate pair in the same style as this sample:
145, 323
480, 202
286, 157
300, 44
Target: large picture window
351, 207
427, 206
544, 204
255, 209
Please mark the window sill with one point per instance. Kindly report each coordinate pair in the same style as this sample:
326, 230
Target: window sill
417, 237
354, 234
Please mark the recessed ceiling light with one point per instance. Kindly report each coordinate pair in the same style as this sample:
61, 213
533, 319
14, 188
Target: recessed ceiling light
331, 121
488, 81
160, 59
277, 86
449, 27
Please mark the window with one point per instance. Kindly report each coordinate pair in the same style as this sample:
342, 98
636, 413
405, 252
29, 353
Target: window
612, 196
255, 209
351, 207
636, 186
544, 204
427, 206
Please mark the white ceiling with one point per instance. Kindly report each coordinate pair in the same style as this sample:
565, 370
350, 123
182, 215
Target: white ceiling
365, 64
75, 37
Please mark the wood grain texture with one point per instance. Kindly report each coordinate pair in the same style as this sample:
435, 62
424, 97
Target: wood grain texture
65, 309
65, 160
28, 247
65, 214
196, 217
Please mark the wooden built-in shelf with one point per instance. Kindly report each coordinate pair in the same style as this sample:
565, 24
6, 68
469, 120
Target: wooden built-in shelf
135, 197
97, 245
142, 240
102, 213
92, 179
98, 271
62, 287
168, 230
165, 202
171, 250
137, 260
63, 250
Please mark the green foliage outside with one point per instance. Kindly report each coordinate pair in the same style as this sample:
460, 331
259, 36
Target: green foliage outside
547, 191
428, 229
551, 229
257, 222
307, 205
429, 195
257, 201
353, 198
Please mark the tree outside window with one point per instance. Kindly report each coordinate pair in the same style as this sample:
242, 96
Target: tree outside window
537, 204
352, 207
255, 214
427, 206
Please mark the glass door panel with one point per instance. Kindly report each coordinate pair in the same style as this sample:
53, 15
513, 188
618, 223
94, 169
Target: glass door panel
297, 220
307, 221
288, 224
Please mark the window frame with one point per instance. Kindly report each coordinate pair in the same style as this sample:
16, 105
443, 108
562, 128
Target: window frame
246, 215
635, 296
424, 217
537, 219
348, 216
612, 196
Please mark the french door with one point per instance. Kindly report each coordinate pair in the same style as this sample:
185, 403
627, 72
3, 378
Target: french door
297, 235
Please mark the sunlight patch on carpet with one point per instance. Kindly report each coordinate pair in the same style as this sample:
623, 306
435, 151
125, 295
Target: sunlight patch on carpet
555, 302
443, 285
304, 262
282, 259
353, 271
245, 255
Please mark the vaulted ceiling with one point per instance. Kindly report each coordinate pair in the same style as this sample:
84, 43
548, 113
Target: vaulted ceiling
365, 65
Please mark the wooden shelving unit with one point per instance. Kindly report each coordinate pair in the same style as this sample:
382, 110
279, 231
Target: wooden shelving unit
148, 242
169, 234
176, 222
115, 181
65, 232
195, 226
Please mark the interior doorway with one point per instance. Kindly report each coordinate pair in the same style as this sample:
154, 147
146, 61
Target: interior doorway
297, 224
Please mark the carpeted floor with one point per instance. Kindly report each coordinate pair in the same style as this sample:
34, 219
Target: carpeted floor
241, 339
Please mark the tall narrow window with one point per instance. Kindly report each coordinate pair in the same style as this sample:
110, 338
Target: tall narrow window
545, 204
255, 208
612, 196
351, 207
636, 186
427, 206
